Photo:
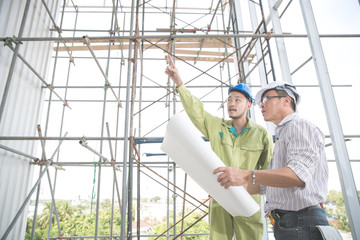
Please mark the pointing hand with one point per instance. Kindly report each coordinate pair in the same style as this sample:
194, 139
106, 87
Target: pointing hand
173, 72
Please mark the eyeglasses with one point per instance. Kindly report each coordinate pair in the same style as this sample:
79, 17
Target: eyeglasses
267, 98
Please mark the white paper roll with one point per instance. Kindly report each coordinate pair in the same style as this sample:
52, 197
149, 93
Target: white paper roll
183, 144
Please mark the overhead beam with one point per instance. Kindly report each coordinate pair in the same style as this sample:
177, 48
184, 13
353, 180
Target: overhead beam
163, 39
193, 43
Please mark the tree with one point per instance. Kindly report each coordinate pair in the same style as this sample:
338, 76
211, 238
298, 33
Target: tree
43, 218
105, 204
155, 199
65, 210
338, 212
199, 227
74, 221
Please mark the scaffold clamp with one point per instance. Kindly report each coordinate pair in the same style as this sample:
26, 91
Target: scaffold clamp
268, 36
72, 60
58, 29
66, 104
59, 167
134, 39
86, 40
9, 40
83, 142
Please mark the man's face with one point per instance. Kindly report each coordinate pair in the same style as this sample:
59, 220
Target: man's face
272, 109
237, 105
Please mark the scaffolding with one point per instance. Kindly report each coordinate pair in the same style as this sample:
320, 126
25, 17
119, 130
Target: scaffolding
215, 46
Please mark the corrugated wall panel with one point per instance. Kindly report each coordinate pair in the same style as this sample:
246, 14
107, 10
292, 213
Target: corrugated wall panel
23, 105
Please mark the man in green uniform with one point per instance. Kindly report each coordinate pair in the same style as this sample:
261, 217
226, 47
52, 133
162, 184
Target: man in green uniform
239, 143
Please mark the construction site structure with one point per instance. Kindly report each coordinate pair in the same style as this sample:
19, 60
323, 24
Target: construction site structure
85, 100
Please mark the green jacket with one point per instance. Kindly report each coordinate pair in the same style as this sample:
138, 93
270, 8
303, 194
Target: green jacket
252, 149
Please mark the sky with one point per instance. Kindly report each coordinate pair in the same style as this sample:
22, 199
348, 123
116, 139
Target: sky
84, 119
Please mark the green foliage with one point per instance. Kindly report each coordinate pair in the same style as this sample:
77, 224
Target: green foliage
74, 221
155, 199
338, 211
80, 221
199, 227
335, 197
105, 204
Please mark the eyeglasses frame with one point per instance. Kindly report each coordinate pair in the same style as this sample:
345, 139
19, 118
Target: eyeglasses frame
270, 97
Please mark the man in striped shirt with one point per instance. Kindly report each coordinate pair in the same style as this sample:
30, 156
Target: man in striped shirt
295, 182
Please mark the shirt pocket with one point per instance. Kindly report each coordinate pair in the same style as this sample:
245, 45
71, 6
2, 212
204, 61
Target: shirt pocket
226, 140
248, 157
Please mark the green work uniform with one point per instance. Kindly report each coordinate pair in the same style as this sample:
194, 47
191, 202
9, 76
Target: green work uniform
251, 149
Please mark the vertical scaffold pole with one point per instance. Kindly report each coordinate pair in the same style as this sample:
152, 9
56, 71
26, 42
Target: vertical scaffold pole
337, 136
280, 45
126, 130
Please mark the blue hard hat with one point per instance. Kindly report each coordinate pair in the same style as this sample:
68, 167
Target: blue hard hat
244, 89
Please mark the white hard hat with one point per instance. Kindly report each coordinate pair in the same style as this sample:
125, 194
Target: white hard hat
279, 85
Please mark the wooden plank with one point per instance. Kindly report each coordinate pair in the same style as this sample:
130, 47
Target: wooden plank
180, 49
206, 44
194, 52
155, 40
205, 59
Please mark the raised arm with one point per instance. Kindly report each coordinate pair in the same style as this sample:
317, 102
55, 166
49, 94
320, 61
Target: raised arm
173, 72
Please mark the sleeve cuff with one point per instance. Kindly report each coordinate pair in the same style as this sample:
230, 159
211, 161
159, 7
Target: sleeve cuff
262, 190
179, 89
301, 172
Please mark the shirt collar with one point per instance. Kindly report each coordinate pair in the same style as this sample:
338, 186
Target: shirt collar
232, 129
288, 118
229, 125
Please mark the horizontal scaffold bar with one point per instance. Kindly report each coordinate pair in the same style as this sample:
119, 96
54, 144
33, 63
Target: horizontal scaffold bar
190, 36
149, 139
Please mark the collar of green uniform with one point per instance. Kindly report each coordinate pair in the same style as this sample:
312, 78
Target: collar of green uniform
228, 123
232, 129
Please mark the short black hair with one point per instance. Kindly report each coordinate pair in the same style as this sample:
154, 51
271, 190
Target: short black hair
284, 93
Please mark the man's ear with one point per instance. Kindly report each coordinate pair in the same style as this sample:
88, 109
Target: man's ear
249, 105
288, 99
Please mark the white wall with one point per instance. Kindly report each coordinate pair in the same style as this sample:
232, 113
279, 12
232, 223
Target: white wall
23, 104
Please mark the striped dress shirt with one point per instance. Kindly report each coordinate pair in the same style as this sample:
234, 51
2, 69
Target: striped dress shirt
299, 145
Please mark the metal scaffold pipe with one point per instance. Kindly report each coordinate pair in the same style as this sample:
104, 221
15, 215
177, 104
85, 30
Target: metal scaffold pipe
240, 35
346, 177
29, 138
58, 29
115, 182
27, 199
53, 203
18, 152
87, 43
37, 74
84, 143
138, 140
126, 153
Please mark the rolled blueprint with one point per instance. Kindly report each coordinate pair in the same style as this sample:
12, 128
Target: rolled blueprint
184, 144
